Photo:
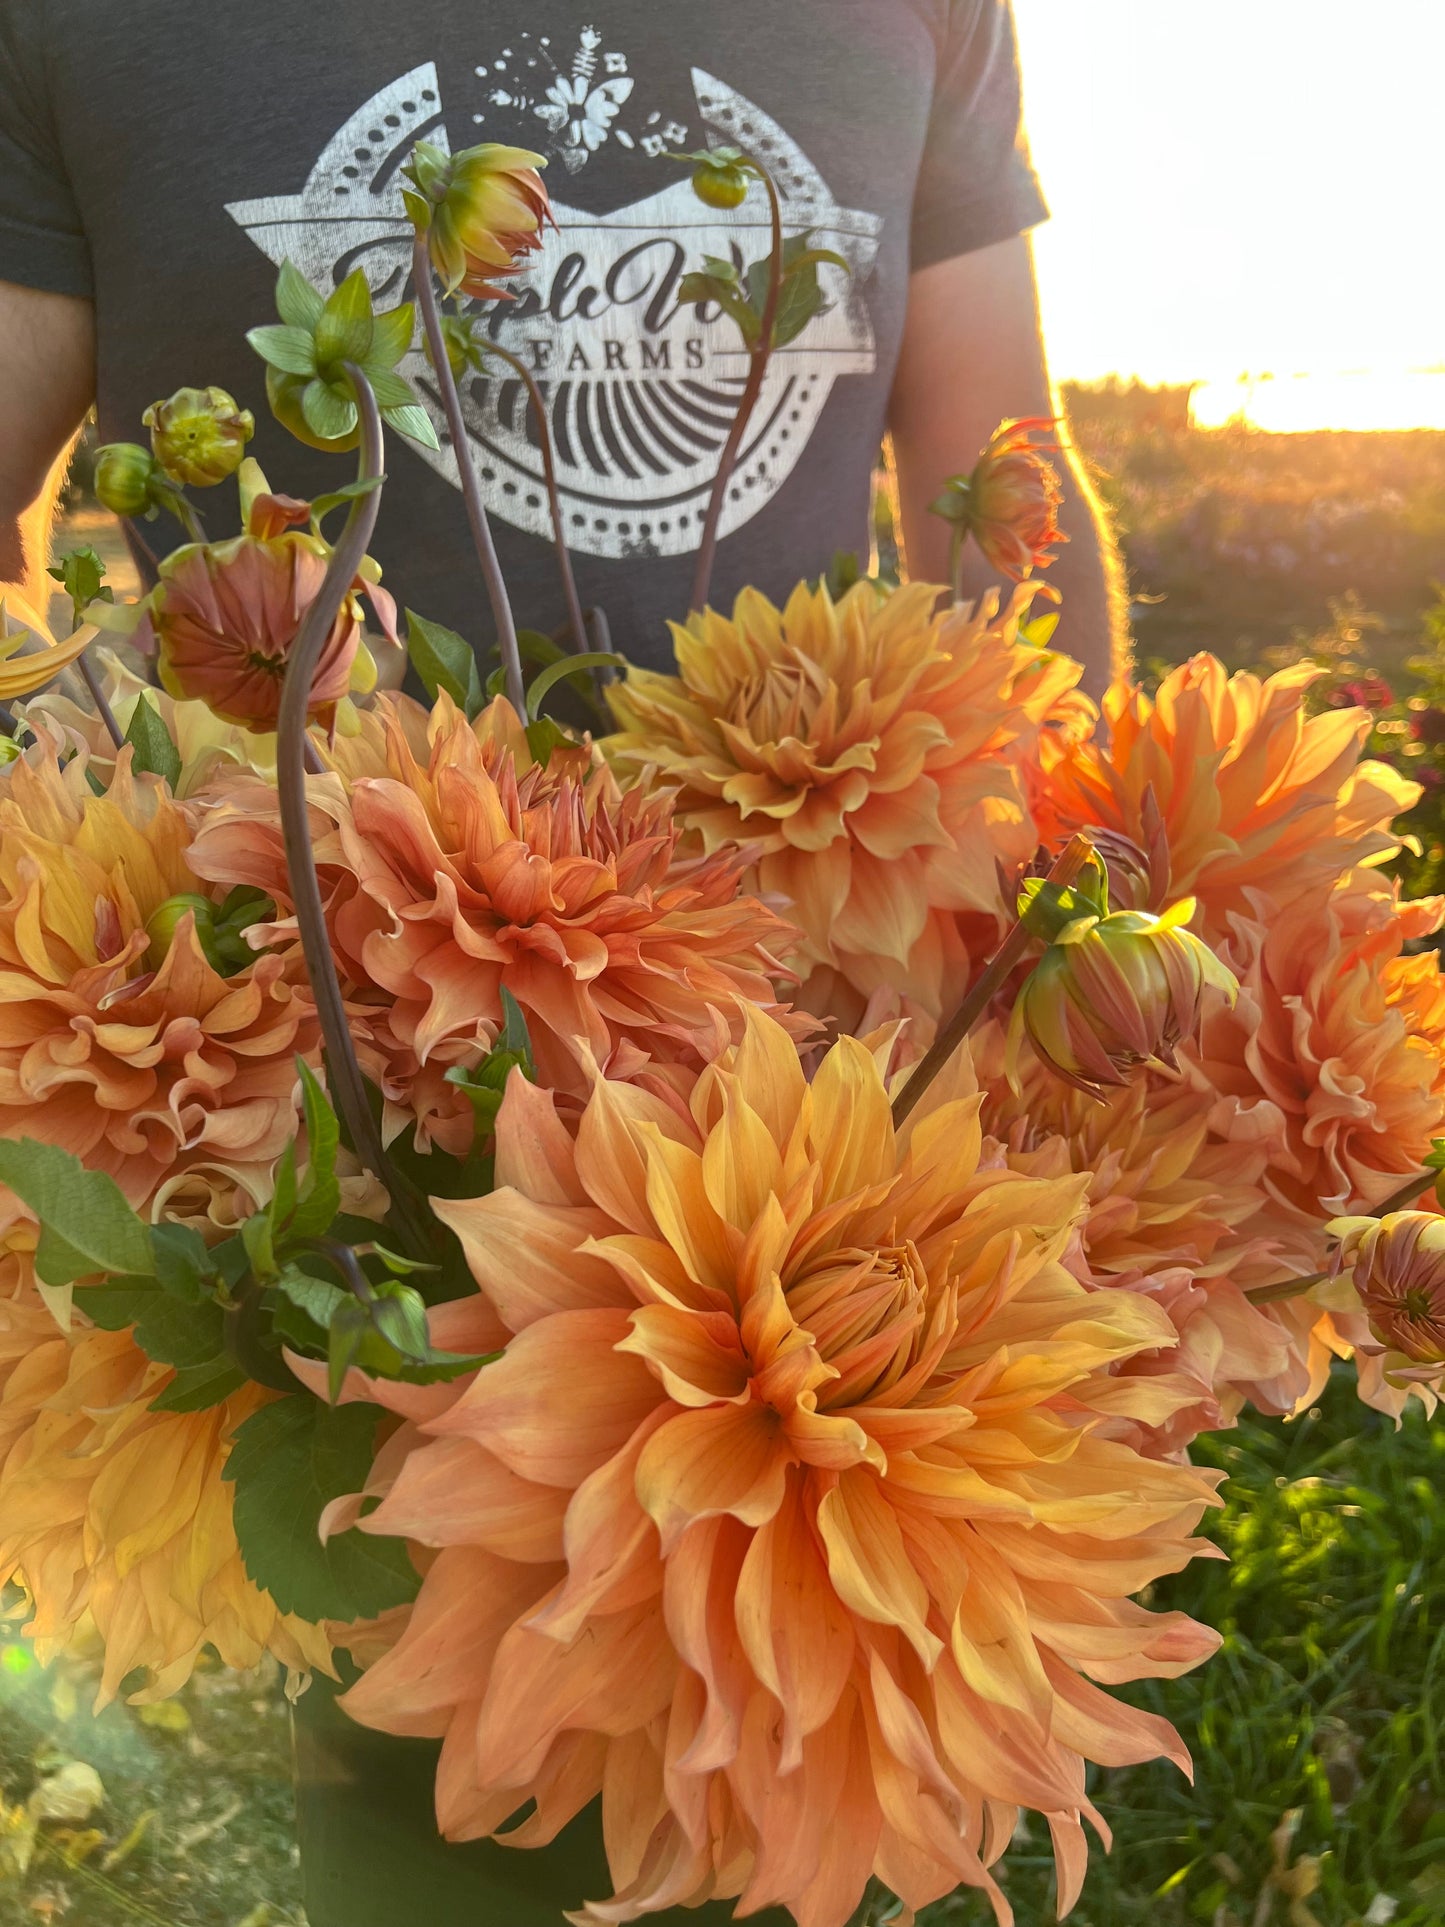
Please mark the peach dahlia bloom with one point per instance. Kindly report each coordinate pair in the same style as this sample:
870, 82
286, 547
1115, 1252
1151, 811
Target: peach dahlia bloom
867, 752
455, 862
116, 1517
785, 1521
1250, 791
179, 1082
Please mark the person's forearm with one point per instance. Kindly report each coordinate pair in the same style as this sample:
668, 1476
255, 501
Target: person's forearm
47, 382
25, 542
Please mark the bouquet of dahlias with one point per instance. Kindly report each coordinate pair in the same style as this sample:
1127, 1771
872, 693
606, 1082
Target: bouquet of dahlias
687, 1258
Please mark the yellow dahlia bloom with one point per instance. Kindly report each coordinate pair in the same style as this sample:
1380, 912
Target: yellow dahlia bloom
455, 863
138, 1057
115, 1516
868, 754
1248, 790
785, 1520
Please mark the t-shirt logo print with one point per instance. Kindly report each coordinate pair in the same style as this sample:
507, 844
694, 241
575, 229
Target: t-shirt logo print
640, 392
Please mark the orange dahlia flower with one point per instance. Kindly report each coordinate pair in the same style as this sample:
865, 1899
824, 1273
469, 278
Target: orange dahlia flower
785, 1520
115, 1516
456, 863
135, 1055
1010, 503
1231, 776
867, 753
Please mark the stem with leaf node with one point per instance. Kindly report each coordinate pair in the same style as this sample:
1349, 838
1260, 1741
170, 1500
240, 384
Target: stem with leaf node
757, 368
344, 1075
994, 977
502, 617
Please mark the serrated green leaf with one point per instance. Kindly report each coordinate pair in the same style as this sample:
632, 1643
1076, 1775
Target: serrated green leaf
152, 743
297, 302
287, 1463
444, 660
391, 338
86, 1226
197, 1387
117, 1307
414, 422
579, 665
345, 330
328, 414
543, 736
320, 1197
289, 350
317, 1297
167, 1329
182, 1263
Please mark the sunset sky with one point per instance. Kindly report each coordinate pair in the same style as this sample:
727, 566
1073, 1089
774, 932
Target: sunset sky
1244, 186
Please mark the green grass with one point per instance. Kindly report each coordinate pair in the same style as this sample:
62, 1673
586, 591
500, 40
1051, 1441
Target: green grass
1328, 1697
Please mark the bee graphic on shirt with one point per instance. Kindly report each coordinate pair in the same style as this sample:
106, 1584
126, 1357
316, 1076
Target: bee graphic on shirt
579, 107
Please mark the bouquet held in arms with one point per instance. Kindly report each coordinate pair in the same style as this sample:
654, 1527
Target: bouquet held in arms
694, 1252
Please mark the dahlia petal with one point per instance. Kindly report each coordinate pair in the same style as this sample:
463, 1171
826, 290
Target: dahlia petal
868, 1561
726, 1459
452, 1493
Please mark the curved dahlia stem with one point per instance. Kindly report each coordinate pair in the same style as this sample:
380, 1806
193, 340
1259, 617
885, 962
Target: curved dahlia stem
1286, 1288
98, 697
502, 616
757, 368
995, 975
524, 374
348, 1086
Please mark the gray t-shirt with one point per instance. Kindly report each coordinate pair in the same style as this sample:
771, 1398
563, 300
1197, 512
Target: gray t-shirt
164, 156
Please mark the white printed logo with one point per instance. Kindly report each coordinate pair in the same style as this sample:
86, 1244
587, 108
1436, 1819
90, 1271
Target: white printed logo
640, 392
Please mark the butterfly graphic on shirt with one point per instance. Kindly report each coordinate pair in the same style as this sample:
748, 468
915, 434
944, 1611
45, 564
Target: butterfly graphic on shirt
578, 107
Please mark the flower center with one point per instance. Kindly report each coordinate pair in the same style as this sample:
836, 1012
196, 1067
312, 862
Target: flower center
866, 1312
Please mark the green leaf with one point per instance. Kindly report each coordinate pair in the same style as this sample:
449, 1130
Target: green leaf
81, 572
391, 390
86, 1226
291, 350
515, 1039
288, 1462
349, 1329
444, 660
543, 736
391, 338
579, 665
198, 1387
333, 499
317, 1297
183, 1265
166, 1329
327, 413
345, 329
1435, 1161
400, 1267
151, 740
414, 422
320, 1198
399, 1316
297, 302
259, 1238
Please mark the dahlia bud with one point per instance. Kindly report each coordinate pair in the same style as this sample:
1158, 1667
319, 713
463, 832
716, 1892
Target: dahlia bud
199, 436
1113, 992
164, 921
482, 211
1398, 1265
125, 474
720, 179
1009, 504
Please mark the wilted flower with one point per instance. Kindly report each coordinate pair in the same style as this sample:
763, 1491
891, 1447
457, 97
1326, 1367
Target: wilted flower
199, 435
1010, 503
784, 1521
226, 614
1116, 991
482, 210
868, 753
124, 475
457, 864
1252, 792
1397, 1268
117, 1516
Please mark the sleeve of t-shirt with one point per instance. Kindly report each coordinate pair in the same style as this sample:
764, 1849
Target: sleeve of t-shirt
976, 183
42, 239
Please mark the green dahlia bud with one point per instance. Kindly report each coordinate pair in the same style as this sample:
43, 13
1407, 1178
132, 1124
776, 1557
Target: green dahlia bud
162, 924
722, 184
124, 474
199, 436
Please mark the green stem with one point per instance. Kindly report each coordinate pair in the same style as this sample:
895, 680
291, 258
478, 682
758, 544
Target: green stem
990, 983
1399, 1200
757, 368
523, 373
492, 576
1286, 1288
344, 1075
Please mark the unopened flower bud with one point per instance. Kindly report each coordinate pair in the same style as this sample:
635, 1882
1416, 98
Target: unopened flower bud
199, 435
124, 474
1009, 504
1398, 1274
1114, 992
163, 923
482, 210
720, 183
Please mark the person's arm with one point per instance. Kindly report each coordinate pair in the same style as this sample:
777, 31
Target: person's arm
973, 354
47, 382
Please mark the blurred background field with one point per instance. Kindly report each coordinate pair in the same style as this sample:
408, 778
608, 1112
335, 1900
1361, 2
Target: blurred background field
1318, 1731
